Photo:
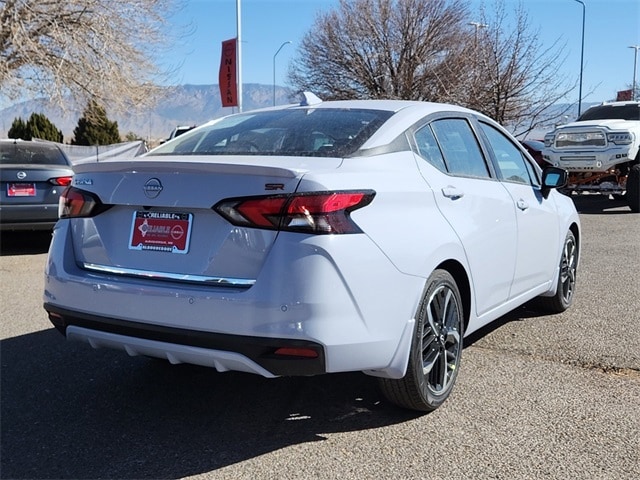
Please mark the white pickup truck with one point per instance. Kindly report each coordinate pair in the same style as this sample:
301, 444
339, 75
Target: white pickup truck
600, 150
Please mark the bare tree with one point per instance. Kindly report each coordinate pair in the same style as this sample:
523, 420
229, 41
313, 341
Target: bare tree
104, 50
429, 50
515, 79
404, 49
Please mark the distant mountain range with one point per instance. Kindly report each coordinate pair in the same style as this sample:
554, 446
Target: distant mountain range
182, 105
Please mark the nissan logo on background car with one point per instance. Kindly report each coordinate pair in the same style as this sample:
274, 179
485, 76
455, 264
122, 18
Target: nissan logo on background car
21, 175
152, 188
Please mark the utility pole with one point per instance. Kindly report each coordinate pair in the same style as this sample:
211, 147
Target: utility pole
478, 26
635, 61
584, 8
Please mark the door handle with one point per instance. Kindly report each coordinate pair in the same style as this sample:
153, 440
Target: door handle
452, 192
522, 205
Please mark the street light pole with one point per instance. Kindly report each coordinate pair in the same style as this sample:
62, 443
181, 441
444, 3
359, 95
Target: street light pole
584, 8
239, 52
635, 62
478, 26
274, 70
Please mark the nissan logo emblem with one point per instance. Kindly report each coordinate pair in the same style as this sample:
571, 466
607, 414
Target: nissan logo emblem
21, 175
152, 188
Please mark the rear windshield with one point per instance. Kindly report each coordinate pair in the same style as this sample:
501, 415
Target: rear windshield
612, 112
319, 132
20, 153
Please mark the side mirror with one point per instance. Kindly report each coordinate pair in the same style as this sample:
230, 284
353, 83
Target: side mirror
553, 177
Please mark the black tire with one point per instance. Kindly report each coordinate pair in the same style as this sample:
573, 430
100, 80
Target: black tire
563, 298
436, 349
633, 188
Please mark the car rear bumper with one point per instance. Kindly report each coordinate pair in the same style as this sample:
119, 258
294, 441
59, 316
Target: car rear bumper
28, 217
221, 351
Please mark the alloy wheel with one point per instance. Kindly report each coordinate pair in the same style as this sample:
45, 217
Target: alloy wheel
441, 343
568, 269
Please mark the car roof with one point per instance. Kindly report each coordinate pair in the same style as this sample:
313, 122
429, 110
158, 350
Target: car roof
617, 104
385, 105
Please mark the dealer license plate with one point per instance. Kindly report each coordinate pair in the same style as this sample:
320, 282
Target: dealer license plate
21, 190
161, 231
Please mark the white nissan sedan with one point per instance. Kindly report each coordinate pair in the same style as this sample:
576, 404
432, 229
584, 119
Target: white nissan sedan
320, 237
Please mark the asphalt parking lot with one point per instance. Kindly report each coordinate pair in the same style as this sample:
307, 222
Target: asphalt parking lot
553, 397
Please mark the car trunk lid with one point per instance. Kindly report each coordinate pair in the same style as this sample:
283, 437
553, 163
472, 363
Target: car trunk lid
32, 184
161, 224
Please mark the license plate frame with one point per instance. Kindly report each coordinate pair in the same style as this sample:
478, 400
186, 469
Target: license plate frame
21, 189
161, 231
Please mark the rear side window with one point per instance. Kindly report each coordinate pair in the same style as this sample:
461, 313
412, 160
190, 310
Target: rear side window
511, 164
26, 154
428, 148
460, 148
314, 132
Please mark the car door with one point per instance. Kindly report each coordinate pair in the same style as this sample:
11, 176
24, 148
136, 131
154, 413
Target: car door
538, 228
476, 205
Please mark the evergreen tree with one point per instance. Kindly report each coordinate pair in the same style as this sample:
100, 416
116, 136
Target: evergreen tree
38, 126
18, 129
94, 128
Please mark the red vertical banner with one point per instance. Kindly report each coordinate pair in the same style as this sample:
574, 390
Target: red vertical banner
227, 75
624, 95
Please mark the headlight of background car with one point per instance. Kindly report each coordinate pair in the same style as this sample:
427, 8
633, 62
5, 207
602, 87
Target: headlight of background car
620, 138
548, 140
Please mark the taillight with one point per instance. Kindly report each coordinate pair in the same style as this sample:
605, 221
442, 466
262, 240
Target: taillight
78, 203
317, 212
61, 181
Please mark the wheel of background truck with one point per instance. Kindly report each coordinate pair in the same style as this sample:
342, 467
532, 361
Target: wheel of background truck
633, 188
566, 279
436, 349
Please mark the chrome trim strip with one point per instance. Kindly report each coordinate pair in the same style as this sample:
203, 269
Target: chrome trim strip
171, 277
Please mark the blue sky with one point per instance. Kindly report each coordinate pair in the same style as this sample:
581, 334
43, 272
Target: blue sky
611, 26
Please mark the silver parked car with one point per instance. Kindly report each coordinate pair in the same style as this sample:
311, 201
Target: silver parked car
322, 237
32, 175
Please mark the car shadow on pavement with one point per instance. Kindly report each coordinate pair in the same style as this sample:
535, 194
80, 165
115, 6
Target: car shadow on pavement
599, 204
69, 411
24, 243
520, 314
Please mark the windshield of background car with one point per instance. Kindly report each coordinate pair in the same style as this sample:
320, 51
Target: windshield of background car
19, 153
612, 112
315, 132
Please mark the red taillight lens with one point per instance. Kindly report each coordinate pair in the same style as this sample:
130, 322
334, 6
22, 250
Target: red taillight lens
61, 181
77, 203
319, 212
264, 212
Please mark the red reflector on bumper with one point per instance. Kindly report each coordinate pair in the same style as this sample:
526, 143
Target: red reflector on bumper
297, 352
